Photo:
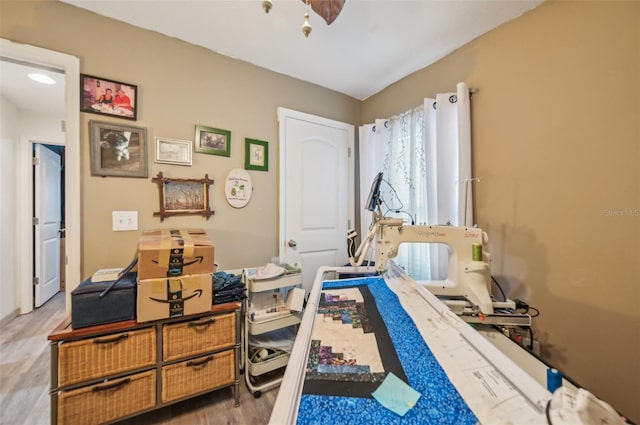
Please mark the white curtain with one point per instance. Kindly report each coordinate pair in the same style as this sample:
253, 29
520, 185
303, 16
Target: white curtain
374, 139
425, 155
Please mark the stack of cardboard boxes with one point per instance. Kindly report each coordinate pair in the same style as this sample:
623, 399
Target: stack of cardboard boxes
174, 279
175, 270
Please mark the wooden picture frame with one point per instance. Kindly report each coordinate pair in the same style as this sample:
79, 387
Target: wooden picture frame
173, 151
108, 97
118, 150
256, 155
213, 141
183, 196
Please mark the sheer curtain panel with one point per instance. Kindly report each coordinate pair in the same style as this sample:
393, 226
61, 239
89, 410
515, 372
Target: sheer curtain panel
425, 155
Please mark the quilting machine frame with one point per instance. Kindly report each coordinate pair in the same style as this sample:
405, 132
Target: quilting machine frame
527, 400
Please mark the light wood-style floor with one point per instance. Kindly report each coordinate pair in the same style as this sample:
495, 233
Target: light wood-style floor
25, 380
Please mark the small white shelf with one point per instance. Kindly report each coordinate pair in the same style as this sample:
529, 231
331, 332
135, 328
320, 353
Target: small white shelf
261, 285
257, 328
260, 368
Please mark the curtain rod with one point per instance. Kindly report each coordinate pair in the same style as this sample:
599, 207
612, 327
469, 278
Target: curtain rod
472, 91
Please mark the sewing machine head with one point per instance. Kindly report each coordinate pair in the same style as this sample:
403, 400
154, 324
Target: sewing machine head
468, 275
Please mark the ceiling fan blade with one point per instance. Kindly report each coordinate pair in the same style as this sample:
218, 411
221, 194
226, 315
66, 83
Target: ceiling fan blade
328, 9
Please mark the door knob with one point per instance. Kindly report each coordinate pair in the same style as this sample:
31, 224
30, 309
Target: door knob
292, 243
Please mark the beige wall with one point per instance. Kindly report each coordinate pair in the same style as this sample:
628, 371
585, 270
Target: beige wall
556, 144
179, 86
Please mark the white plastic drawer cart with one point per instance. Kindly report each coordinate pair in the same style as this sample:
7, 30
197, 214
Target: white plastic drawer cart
268, 319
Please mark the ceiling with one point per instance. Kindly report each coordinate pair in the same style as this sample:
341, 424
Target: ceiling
372, 43
28, 95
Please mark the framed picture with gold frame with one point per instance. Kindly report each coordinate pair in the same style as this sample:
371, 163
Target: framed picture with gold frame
256, 155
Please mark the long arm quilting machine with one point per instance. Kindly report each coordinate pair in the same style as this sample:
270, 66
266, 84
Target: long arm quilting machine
490, 388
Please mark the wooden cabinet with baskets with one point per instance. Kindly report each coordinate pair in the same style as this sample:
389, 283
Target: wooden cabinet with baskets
106, 373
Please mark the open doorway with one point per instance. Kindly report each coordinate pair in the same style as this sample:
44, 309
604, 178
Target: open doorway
21, 157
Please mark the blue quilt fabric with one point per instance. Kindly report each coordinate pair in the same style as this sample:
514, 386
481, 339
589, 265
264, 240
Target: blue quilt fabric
439, 402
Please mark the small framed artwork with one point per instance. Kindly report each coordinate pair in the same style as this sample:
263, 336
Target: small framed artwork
183, 196
173, 151
118, 150
256, 155
108, 97
213, 141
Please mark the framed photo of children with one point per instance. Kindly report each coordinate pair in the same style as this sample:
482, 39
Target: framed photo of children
256, 155
213, 141
108, 97
118, 150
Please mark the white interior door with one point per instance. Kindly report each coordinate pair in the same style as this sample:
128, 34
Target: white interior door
316, 191
47, 236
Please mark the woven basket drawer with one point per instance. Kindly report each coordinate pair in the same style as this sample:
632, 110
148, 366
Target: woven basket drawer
107, 401
200, 374
198, 336
106, 355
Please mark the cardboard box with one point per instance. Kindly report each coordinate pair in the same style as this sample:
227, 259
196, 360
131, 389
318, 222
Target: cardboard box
174, 252
118, 304
179, 296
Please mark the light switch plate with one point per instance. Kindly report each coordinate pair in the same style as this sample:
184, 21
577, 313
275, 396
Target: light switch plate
125, 220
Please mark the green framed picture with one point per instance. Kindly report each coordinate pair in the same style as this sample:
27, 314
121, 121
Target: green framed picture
213, 141
256, 155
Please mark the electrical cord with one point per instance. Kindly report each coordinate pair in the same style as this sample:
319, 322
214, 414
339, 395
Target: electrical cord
413, 221
521, 305
546, 412
395, 195
351, 243
504, 297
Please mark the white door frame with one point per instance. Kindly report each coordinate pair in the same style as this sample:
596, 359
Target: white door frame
70, 65
286, 113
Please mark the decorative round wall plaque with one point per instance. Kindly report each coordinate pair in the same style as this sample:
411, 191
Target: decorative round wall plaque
238, 188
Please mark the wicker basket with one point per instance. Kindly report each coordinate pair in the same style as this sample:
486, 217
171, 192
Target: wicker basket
203, 373
198, 336
107, 401
106, 355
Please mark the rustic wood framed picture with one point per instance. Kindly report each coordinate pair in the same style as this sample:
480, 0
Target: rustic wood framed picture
183, 196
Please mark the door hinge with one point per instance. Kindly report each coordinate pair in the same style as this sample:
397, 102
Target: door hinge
349, 152
348, 224
36, 281
35, 221
35, 161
